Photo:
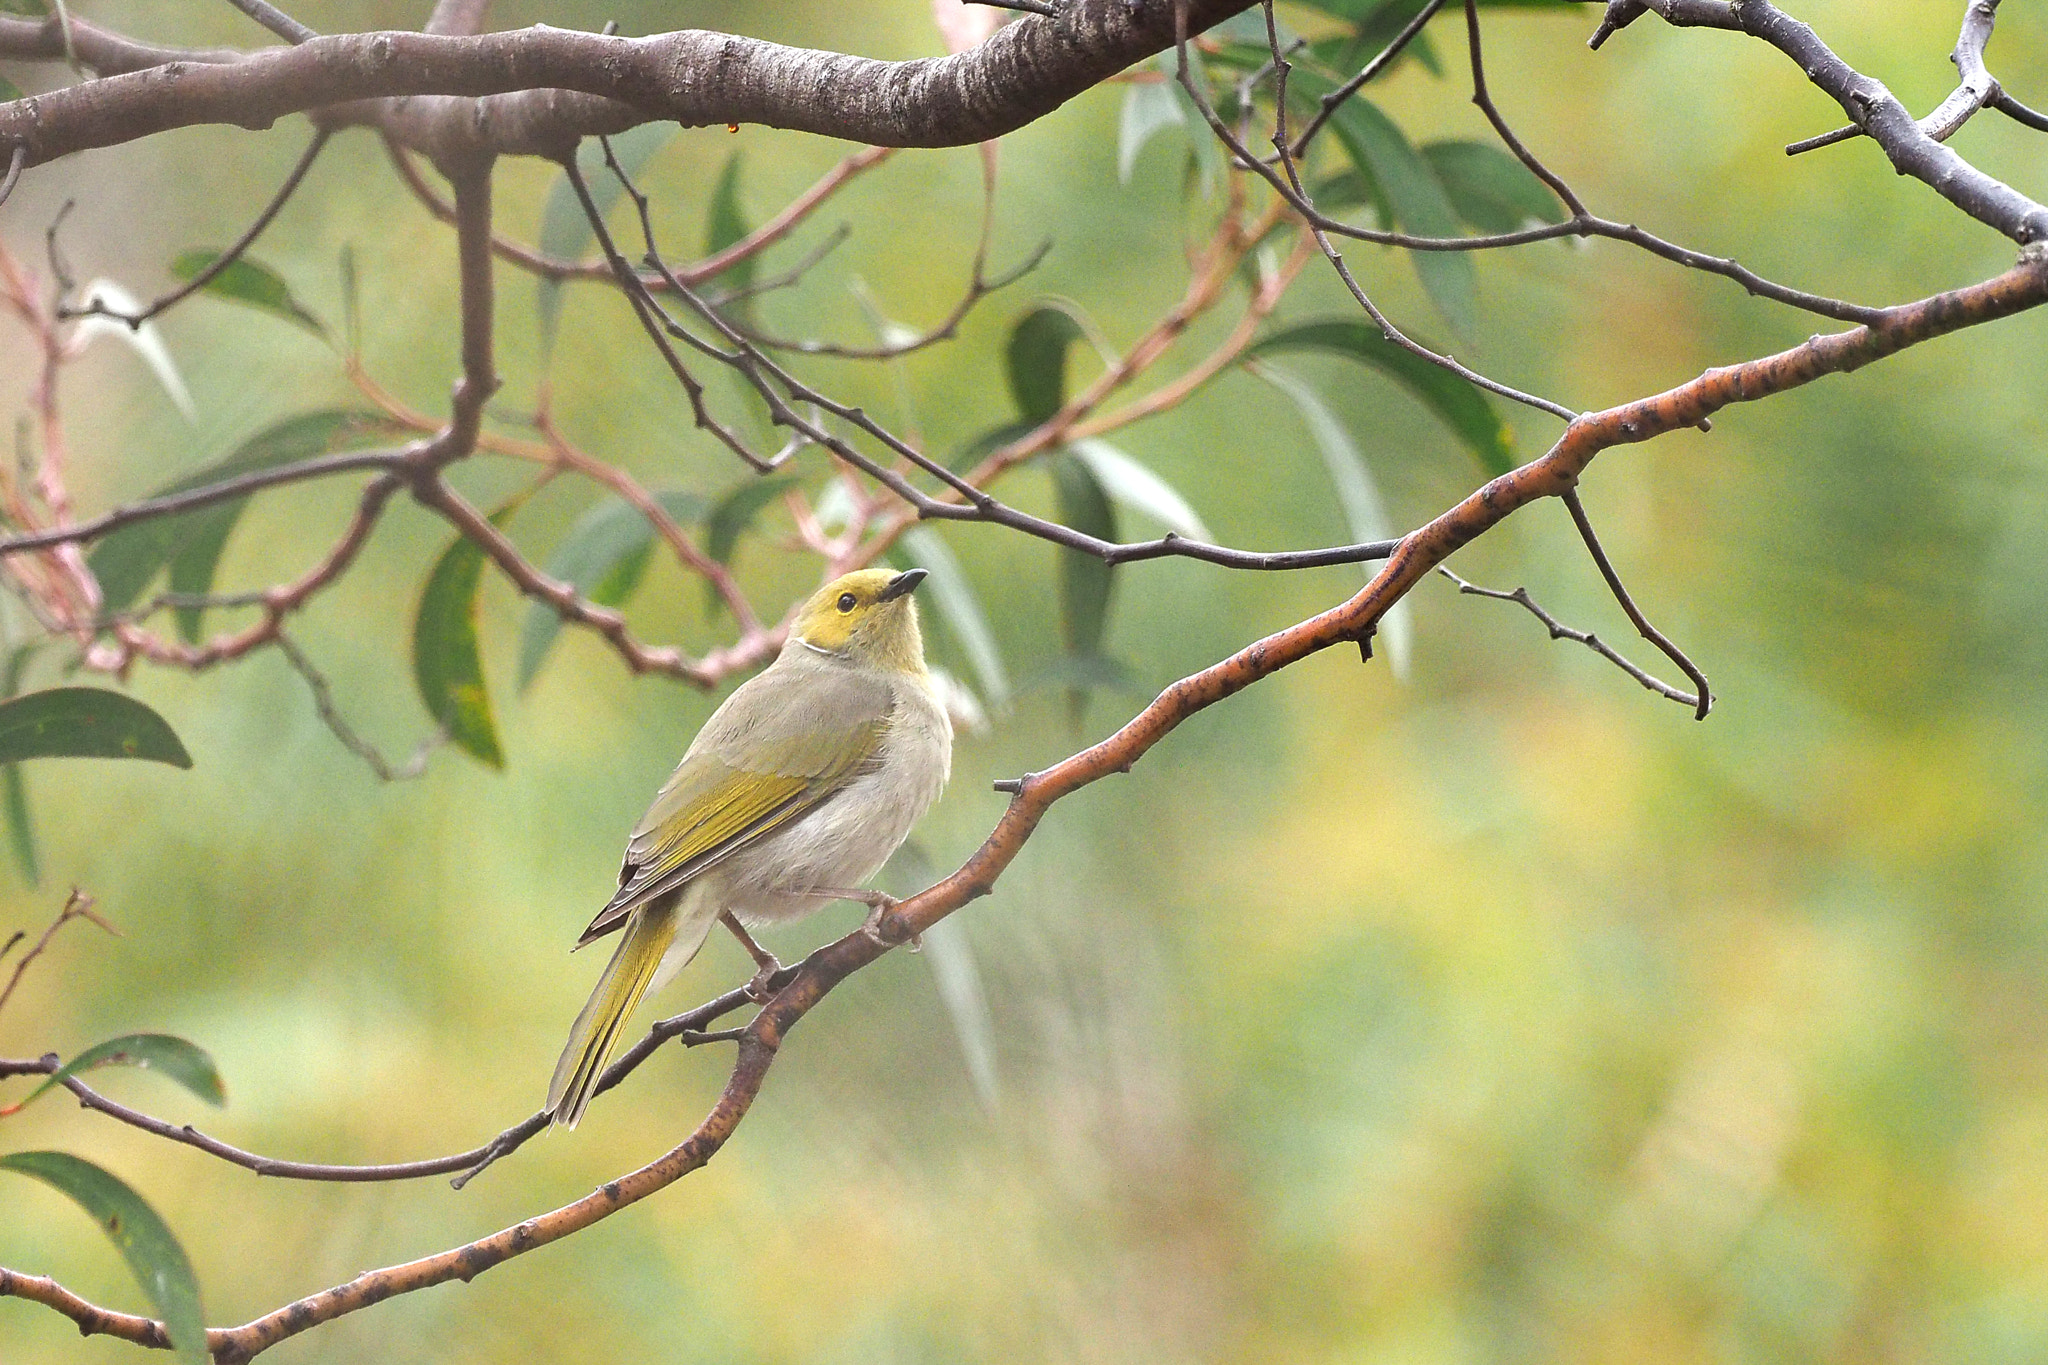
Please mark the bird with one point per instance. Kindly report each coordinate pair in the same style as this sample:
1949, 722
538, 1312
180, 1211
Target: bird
793, 794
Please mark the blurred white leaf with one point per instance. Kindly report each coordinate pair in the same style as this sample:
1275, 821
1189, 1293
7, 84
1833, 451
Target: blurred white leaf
1359, 496
1149, 106
962, 707
954, 598
965, 26
145, 339
1138, 488
959, 982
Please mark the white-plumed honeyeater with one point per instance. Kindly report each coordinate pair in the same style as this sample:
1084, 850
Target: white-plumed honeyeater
794, 793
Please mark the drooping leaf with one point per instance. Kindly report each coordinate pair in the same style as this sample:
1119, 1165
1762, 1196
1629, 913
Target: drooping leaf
247, 281
986, 444
958, 978
1365, 512
190, 545
8, 89
1077, 673
1456, 403
1085, 581
1490, 189
351, 301
603, 558
153, 1254
1133, 486
184, 1062
1149, 108
1353, 188
726, 223
1037, 356
1418, 203
21, 829
565, 231
145, 340
954, 600
85, 722
1205, 154
34, 9
733, 514
447, 662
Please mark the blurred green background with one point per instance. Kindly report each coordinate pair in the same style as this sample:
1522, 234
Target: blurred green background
1501, 1014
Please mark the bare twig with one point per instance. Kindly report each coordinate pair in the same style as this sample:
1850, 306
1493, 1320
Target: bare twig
1335, 99
1704, 700
323, 703
77, 905
1560, 631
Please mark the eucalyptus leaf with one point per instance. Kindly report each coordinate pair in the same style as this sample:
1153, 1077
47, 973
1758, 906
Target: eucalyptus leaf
184, 1062
1456, 402
85, 722
447, 660
8, 89
1490, 189
1037, 356
1149, 108
733, 514
603, 557
565, 231
145, 1242
21, 829
247, 281
144, 340
1131, 485
1365, 512
189, 545
955, 602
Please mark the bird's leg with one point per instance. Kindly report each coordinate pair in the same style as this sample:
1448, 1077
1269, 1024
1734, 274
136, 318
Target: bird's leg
764, 961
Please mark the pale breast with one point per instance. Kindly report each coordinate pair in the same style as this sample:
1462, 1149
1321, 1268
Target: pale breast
844, 842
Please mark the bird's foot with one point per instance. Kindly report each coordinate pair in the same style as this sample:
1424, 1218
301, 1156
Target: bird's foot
878, 906
765, 963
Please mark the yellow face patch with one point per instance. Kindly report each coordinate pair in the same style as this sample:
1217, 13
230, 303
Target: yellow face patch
850, 614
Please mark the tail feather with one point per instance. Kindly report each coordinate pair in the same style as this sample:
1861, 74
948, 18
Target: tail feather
649, 936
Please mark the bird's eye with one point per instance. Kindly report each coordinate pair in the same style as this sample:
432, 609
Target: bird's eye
847, 601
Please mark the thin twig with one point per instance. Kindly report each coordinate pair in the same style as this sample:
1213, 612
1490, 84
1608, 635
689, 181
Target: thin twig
275, 19
77, 905
323, 703
1335, 99
225, 258
1703, 701
1560, 631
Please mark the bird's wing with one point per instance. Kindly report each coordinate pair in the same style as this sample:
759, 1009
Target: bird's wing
751, 770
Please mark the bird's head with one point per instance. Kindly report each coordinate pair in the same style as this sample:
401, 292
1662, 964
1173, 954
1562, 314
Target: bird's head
866, 617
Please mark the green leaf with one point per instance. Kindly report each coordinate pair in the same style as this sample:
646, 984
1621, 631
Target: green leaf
1037, 357
186, 1063
247, 281
734, 513
85, 722
1132, 485
564, 230
726, 224
153, 1255
21, 829
1365, 512
1149, 108
1458, 404
1085, 581
954, 600
190, 545
1490, 189
1418, 203
35, 9
447, 663
8, 89
603, 558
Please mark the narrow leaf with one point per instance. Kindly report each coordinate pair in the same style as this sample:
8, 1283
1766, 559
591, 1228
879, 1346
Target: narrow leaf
153, 1255
1149, 108
1085, 581
186, 1063
145, 340
8, 89
447, 662
1132, 485
1490, 189
1365, 513
247, 281
565, 231
1416, 198
85, 722
1037, 356
726, 223
1456, 403
603, 557
954, 600
736, 511
21, 829
190, 545
958, 978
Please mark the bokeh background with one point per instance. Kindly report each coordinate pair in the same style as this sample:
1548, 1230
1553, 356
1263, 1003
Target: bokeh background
1503, 1013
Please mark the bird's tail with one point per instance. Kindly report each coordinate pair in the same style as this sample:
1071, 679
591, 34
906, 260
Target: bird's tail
649, 936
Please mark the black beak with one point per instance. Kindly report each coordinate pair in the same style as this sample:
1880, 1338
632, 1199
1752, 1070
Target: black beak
903, 584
